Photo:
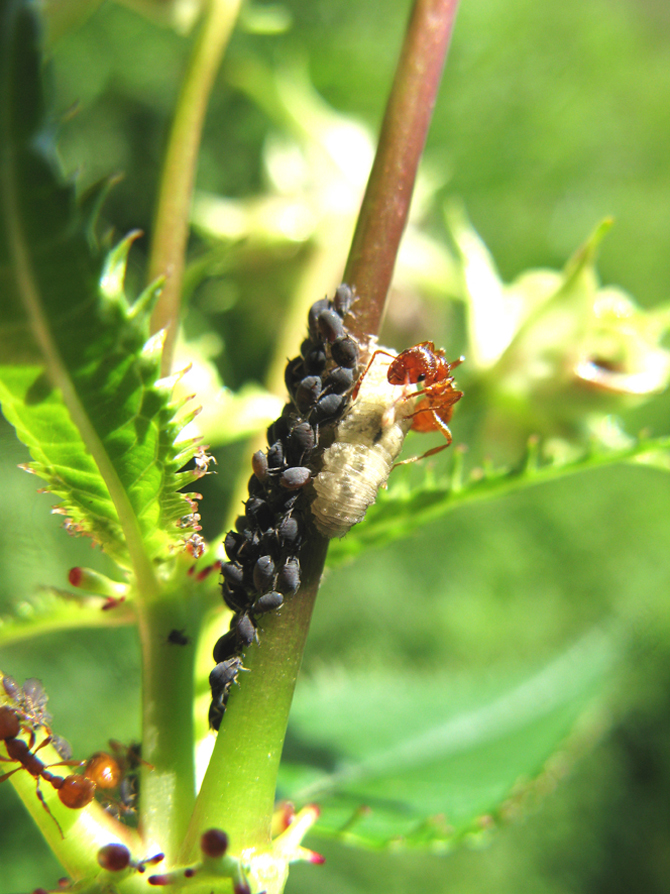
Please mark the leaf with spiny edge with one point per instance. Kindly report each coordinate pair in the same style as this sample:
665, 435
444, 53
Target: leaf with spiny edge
79, 372
132, 414
400, 511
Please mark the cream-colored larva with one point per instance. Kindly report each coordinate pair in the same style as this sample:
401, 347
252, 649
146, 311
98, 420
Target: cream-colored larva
367, 442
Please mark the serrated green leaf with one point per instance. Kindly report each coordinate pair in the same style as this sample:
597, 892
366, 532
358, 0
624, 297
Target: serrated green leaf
418, 761
401, 510
78, 371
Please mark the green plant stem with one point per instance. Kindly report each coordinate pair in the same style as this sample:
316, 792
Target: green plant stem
168, 777
170, 232
238, 790
403, 135
85, 831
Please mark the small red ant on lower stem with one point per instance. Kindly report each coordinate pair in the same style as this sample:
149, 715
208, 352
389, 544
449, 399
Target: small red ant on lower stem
119, 770
426, 364
73, 791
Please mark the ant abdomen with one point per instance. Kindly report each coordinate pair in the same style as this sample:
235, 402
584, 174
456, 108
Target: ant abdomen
76, 792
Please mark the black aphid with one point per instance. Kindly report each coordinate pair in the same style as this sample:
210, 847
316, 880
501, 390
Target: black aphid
264, 572
268, 602
178, 638
296, 477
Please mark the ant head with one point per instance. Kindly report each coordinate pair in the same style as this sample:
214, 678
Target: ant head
10, 725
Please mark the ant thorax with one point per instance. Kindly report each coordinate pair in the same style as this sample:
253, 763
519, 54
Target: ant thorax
367, 442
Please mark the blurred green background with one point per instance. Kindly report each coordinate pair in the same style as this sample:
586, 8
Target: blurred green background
550, 117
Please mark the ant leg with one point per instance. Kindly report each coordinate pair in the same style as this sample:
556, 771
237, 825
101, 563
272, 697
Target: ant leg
30, 744
42, 744
439, 425
415, 459
354, 393
439, 403
131, 757
435, 415
69, 762
46, 806
11, 772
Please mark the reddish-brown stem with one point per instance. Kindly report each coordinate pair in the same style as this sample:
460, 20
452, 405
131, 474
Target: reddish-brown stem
403, 135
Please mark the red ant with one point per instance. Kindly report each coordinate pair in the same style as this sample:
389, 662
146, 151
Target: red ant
119, 770
104, 770
426, 364
73, 791
108, 773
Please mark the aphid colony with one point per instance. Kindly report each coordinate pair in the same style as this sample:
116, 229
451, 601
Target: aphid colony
329, 452
27, 714
263, 567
